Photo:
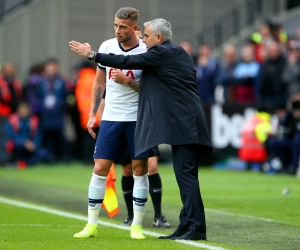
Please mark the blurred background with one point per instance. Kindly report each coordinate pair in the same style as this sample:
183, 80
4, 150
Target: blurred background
246, 54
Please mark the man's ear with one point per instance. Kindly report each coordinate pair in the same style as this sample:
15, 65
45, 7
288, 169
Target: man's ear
159, 38
135, 27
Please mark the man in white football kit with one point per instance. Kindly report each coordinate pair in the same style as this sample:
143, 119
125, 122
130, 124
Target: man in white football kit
118, 124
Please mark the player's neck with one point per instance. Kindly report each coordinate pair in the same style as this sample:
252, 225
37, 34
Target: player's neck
131, 43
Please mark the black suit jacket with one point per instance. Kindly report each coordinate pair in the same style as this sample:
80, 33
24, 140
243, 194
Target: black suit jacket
169, 108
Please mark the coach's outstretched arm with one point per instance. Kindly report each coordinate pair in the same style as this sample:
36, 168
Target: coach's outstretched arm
150, 59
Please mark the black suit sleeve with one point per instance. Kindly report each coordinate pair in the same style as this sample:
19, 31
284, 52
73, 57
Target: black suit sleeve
148, 60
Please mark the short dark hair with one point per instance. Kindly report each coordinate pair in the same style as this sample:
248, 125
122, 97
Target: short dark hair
37, 68
296, 105
23, 103
51, 60
128, 13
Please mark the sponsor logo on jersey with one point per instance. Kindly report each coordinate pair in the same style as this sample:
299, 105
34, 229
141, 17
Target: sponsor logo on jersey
129, 73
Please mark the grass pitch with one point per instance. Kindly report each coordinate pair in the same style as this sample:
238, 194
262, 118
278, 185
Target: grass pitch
243, 210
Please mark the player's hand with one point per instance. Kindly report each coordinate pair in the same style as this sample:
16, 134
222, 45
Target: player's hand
119, 77
29, 145
90, 126
81, 49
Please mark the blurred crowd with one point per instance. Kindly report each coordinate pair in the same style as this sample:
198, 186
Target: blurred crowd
34, 115
264, 72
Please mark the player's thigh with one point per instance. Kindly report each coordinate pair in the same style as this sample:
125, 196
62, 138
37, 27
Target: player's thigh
111, 141
130, 131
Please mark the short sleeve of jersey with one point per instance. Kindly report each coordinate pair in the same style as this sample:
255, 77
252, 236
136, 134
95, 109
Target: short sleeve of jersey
102, 49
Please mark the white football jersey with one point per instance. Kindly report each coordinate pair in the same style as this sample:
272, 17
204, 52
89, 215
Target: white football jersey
121, 101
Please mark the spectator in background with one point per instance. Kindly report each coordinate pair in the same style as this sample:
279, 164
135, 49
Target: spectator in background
255, 132
83, 92
53, 95
287, 142
10, 90
298, 33
208, 70
73, 112
32, 87
279, 34
272, 89
261, 39
10, 94
246, 76
24, 137
291, 72
291, 43
188, 47
226, 78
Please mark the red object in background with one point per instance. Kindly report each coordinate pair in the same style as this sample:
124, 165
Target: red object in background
258, 50
21, 165
252, 149
244, 94
6, 97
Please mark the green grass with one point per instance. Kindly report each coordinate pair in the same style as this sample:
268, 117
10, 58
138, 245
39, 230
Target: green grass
235, 193
28, 229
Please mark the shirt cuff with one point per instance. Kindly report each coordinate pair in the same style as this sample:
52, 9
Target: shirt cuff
97, 57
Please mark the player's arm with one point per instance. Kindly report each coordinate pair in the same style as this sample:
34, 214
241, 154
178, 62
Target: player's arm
134, 84
150, 59
120, 78
97, 94
101, 108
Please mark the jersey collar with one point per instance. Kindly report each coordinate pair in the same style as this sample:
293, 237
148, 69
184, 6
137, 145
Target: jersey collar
126, 50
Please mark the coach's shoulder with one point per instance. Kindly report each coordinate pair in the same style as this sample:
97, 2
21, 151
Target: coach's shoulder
159, 48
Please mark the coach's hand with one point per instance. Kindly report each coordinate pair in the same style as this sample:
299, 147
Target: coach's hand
90, 126
81, 49
119, 77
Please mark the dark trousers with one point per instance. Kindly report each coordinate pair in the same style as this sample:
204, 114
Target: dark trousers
287, 150
185, 164
55, 143
3, 139
31, 158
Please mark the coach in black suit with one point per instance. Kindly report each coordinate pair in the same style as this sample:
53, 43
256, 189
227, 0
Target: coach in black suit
169, 112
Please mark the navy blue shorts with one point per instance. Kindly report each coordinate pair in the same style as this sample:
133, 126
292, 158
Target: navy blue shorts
126, 159
113, 139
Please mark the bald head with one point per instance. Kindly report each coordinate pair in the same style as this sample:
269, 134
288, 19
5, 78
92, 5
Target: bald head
9, 69
247, 54
229, 53
187, 46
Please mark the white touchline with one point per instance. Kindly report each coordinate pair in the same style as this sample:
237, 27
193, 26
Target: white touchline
37, 225
104, 223
234, 214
